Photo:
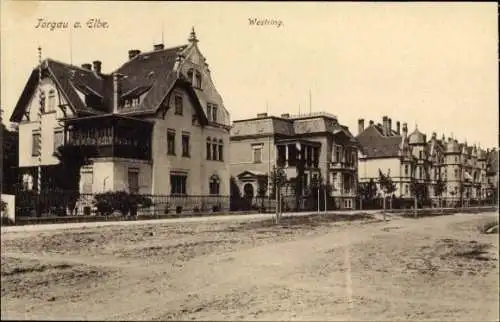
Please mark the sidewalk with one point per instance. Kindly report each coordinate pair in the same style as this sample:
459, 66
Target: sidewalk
214, 218
231, 217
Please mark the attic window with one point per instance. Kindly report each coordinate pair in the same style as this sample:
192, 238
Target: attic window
51, 101
131, 102
190, 75
198, 80
145, 57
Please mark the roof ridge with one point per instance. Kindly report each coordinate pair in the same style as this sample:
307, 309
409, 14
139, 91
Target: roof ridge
142, 54
73, 66
161, 50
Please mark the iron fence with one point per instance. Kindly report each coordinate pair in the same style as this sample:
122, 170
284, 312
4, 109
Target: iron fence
67, 203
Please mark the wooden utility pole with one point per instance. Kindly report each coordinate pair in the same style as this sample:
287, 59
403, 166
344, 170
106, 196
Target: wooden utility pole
41, 105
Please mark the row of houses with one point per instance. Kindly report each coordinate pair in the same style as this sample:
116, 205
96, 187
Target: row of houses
157, 125
343, 161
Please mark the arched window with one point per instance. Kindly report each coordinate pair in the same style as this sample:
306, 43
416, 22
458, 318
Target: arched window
221, 150
214, 185
209, 149
214, 149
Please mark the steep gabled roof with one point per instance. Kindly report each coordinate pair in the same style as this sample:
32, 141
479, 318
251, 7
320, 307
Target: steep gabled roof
150, 73
67, 78
374, 144
153, 71
145, 68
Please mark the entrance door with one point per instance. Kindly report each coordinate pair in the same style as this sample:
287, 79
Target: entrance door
248, 194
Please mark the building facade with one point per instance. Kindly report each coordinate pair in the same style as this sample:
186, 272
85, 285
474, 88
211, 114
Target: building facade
310, 148
411, 159
492, 173
156, 125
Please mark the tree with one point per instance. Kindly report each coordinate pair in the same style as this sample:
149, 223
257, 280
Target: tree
386, 184
453, 193
235, 195
419, 191
278, 179
10, 160
314, 189
71, 159
262, 190
439, 187
461, 190
367, 191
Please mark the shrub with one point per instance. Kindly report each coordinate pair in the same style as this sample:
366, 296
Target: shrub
108, 202
6, 221
26, 203
216, 208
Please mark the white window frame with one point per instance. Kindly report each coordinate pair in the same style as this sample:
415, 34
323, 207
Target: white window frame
56, 132
254, 148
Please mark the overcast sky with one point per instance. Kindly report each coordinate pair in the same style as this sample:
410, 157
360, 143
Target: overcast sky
431, 64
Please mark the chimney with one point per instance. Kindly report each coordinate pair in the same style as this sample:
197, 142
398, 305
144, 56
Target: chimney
371, 122
398, 128
384, 124
116, 92
97, 66
285, 115
389, 126
405, 129
87, 66
133, 52
159, 47
261, 115
361, 125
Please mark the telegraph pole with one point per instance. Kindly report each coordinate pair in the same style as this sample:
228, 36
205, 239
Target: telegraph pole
269, 163
40, 111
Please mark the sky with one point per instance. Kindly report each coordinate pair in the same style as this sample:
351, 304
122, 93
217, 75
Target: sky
432, 65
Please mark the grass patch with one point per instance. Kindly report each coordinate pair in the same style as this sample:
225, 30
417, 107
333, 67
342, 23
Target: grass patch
297, 222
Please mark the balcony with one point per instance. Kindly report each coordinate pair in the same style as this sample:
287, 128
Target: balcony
342, 166
110, 136
298, 153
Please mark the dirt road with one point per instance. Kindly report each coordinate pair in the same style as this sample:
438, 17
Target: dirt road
437, 268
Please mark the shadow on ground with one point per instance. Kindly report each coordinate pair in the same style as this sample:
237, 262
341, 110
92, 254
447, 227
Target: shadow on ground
299, 222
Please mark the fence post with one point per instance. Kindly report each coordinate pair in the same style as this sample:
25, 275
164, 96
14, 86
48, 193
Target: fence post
318, 199
326, 203
277, 204
415, 206
383, 206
